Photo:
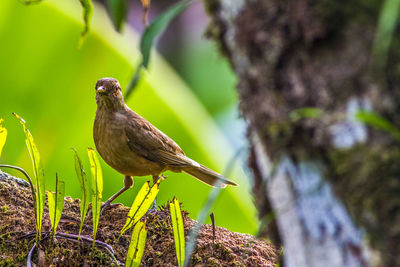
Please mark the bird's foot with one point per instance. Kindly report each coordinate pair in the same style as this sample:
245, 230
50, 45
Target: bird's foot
153, 209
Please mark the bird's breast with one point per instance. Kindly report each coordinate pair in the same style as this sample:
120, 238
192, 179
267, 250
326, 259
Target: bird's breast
112, 144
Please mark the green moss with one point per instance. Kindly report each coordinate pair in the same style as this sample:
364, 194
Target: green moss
367, 178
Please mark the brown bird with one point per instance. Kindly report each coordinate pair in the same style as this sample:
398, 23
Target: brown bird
134, 147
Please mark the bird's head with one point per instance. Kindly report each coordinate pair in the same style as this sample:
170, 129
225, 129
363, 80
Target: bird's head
109, 94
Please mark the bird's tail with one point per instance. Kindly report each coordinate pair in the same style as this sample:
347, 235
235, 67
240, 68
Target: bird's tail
209, 177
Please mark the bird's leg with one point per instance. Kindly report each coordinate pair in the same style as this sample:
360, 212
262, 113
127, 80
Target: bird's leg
128, 183
155, 179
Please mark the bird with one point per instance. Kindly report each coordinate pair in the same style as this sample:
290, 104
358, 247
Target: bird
134, 147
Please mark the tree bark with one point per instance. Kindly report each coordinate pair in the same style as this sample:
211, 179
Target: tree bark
327, 185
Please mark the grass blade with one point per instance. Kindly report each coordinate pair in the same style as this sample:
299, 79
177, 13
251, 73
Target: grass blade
136, 246
118, 10
85, 194
149, 37
179, 233
144, 199
56, 205
3, 135
87, 15
97, 189
39, 178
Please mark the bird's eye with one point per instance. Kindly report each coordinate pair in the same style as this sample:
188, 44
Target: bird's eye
115, 90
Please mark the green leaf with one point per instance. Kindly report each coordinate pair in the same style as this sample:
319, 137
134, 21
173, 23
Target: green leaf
157, 27
85, 194
154, 30
378, 122
305, 113
179, 233
136, 246
144, 199
39, 177
97, 189
87, 15
56, 205
3, 135
118, 10
386, 25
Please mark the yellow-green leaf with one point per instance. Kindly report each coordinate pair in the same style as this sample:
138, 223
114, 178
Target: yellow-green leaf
85, 194
56, 205
97, 189
144, 199
39, 177
136, 246
3, 135
179, 233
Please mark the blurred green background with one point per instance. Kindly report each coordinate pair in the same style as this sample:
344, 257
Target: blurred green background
49, 81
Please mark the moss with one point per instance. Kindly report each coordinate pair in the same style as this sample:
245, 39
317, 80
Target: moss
159, 251
367, 179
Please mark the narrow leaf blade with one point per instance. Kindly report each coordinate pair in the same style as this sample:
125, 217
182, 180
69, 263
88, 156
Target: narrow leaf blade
375, 120
179, 233
85, 194
39, 181
154, 30
305, 113
87, 6
157, 27
141, 204
387, 23
97, 189
118, 10
56, 205
136, 246
3, 135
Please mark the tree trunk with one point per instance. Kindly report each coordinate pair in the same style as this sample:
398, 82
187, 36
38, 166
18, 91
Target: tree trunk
327, 185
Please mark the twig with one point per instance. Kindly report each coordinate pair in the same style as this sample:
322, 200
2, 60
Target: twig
74, 238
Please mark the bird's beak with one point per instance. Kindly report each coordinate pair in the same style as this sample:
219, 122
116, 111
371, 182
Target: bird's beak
101, 90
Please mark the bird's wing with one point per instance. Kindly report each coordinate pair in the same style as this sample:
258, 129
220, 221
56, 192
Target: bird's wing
147, 141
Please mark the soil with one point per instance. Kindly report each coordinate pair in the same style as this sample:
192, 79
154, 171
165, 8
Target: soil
17, 236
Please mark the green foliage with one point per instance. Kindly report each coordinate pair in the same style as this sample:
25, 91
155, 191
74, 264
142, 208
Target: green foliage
3, 135
375, 120
85, 194
305, 113
97, 189
387, 24
87, 15
143, 200
118, 10
149, 37
179, 233
39, 178
136, 246
56, 204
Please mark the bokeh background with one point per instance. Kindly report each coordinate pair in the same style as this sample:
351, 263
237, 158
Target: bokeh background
188, 93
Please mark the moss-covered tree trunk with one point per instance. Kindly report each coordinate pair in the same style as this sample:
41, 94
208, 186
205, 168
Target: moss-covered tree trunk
327, 186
